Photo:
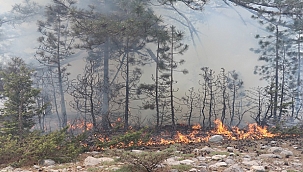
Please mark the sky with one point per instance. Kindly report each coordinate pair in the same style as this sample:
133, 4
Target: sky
223, 39
224, 35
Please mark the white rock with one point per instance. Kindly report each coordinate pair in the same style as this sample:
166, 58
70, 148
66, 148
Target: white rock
234, 168
263, 146
137, 151
7, 169
230, 149
36, 166
79, 167
216, 139
247, 156
275, 150
217, 165
172, 161
229, 161
201, 158
106, 159
250, 163
270, 155
115, 168
193, 170
187, 162
218, 157
273, 142
48, 162
296, 164
91, 161
207, 149
286, 153
257, 168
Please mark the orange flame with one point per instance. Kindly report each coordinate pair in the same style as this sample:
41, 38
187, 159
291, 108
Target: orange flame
195, 136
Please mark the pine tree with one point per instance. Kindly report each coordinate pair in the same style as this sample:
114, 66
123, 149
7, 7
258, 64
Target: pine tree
55, 46
20, 108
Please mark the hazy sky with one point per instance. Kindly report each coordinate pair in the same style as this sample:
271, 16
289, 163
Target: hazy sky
226, 33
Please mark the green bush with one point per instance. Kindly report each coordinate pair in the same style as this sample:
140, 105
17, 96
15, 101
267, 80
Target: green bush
147, 161
131, 139
35, 147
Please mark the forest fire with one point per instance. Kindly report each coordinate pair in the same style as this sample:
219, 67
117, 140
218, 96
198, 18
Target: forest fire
196, 135
80, 125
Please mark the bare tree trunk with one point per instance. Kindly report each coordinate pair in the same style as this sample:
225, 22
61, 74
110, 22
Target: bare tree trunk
282, 87
126, 89
172, 80
233, 105
276, 76
63, 108
106, 88
157, 87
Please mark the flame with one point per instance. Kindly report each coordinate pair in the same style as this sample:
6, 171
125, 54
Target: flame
196, 127
80, 125
222, 129
196, 135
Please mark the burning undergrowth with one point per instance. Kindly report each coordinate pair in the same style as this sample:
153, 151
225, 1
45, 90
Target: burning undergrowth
147, 138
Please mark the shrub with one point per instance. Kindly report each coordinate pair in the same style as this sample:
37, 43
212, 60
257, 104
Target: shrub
147, 161
130, 140
35, 147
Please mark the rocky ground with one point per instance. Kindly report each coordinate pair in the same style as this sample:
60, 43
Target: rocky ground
268, 155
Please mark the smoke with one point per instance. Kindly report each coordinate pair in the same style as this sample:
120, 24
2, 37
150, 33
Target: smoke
222, 38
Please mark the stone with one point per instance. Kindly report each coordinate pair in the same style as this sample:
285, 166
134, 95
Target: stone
270, 155
216, 139
234, 168
7, 169
91, 161
48, 162
257, 168
201, 158
203, 169
36, 166
250, 163
230, 149
114, 168
217, 165
275, 150
207, 149
172, 161
296, 164
218, 157
247, 156
106, 159
137, 151
193, 170
263, 147
174, 170
287, 153
229, 161
187, 162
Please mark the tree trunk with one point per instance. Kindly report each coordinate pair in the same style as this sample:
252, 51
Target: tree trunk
63, 108
276, 76
106, 88
126, 89
172, 80
157, 87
